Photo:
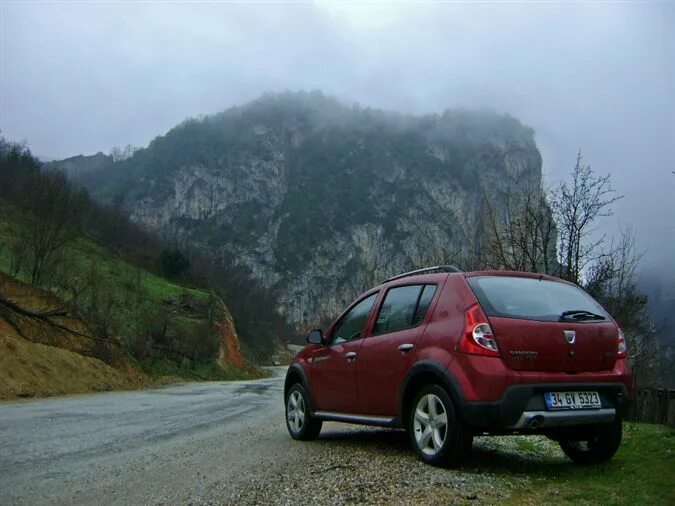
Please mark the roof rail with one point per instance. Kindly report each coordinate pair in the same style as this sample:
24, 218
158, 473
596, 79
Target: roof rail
442, 268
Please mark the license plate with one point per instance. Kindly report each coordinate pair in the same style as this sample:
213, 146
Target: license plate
572, 400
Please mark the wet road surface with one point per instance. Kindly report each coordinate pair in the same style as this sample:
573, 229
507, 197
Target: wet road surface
132, 447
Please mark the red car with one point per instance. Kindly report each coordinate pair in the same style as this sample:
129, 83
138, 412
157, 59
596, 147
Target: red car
448, 355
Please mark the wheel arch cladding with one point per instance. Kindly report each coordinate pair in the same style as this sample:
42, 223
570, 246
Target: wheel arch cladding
424, 373
296, 374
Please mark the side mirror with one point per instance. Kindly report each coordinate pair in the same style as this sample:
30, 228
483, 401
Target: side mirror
315, 336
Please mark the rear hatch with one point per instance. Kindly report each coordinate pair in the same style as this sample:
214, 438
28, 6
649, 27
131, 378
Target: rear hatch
545, 325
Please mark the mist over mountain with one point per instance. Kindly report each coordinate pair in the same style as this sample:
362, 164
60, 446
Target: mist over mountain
319, 200
659, 286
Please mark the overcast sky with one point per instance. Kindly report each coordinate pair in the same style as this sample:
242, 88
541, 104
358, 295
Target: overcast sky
83, 77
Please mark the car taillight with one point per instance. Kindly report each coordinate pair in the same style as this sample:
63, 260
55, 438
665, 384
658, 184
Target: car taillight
478, 338
622, 349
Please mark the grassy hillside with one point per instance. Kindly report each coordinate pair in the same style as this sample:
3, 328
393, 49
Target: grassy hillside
163, 327
66, 261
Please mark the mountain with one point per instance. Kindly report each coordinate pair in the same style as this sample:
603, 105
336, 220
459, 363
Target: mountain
318, 200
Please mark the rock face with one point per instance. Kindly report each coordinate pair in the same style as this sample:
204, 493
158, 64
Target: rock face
319, 200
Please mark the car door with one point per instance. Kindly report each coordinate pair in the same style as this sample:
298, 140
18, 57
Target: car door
333, 367
387, 353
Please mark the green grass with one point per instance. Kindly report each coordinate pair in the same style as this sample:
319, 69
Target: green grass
642, 472
84, 251
208, 371
131, 287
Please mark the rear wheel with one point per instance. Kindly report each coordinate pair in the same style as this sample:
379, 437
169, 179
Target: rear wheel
592, 445
299, 420
437, 434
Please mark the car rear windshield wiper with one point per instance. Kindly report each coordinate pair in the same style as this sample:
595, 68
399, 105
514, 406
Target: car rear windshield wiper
580, 314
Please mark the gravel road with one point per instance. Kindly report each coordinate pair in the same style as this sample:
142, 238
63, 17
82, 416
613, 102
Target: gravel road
226, 443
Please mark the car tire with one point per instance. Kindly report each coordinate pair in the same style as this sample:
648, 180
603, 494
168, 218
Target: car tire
594, 444
300, 423
437, 434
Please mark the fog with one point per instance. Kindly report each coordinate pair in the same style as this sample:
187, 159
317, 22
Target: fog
80, 78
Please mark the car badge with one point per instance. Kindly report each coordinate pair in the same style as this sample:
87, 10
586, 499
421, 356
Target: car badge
570, 336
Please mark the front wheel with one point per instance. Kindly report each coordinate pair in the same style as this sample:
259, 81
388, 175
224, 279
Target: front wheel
299, 421
437, 434
593, 445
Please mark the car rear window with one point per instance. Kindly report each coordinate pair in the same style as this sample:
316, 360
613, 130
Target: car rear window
533, 299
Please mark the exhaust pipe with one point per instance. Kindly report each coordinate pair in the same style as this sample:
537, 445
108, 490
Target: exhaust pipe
536, 422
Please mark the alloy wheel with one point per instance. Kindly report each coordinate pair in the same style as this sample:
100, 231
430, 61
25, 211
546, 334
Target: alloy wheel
295, 411
430, 424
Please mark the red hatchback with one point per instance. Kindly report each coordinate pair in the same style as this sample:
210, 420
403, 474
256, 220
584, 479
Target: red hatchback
448, 355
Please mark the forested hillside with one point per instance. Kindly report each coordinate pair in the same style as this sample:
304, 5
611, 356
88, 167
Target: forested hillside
81, 277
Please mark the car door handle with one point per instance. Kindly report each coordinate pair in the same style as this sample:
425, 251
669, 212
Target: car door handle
406, 347
351, 355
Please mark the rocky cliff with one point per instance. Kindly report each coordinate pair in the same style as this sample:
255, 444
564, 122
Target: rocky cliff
320, 200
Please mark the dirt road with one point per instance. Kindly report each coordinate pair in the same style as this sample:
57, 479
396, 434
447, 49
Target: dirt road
214, 443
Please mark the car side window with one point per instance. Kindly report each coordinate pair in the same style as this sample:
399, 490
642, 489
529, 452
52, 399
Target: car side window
351, 325
424, 303
404, 307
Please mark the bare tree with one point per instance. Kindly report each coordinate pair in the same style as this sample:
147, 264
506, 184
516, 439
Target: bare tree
522, 235
611, 279
98, 302
52, 213
576, 206
16, 315
118, 154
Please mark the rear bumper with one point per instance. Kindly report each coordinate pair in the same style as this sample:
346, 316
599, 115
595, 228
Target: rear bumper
523, 407
543, 419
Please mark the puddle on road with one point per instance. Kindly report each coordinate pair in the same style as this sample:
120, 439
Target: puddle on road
251, 389
190, 393
231, 388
